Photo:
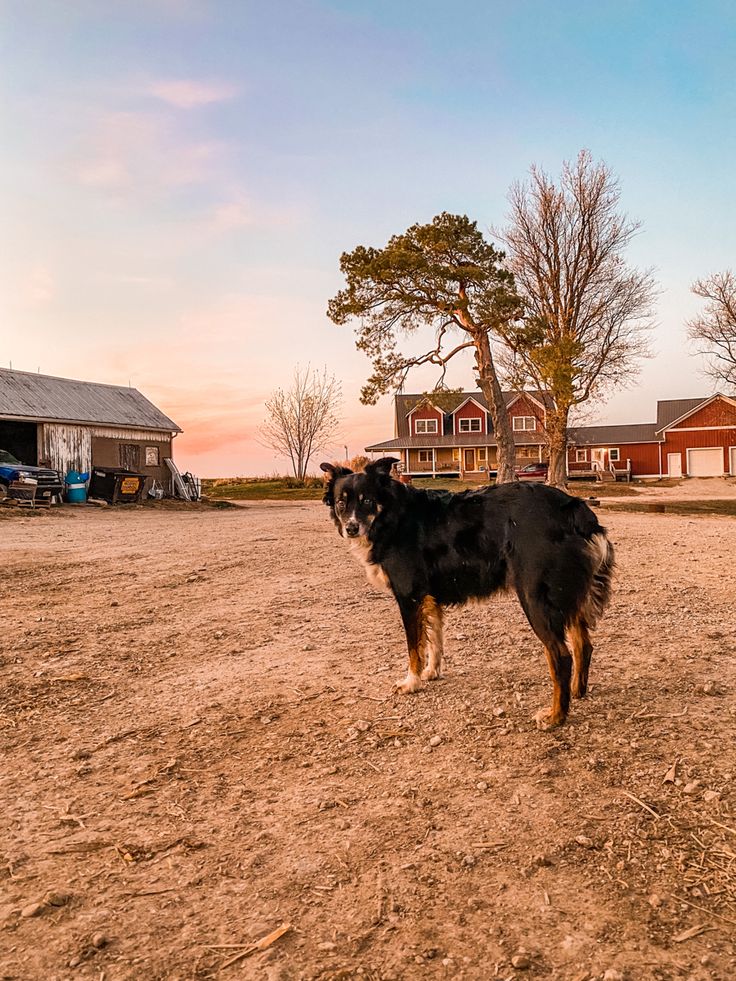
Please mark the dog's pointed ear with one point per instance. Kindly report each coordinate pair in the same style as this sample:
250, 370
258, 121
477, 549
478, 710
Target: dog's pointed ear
332, 471
382, 468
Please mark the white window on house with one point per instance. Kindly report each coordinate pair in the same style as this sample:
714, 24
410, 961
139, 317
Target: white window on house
425, 456
469, 425
425, 426
614, 456
581, 456
152, 456
524, 423
482, 453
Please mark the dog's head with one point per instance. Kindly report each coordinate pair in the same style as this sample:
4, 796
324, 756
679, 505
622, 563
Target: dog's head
355, 499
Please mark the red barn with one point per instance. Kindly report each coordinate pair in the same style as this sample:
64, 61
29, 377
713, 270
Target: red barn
691, 438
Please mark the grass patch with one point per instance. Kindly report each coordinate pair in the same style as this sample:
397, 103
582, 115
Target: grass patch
448, 483
263, 489
287, 489
724, 508
577, 488
591, 488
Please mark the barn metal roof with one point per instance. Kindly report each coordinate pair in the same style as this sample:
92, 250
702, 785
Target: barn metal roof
640, 432
45, 398
670, 409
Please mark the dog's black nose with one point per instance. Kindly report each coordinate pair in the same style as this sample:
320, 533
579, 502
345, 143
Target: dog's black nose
352, 529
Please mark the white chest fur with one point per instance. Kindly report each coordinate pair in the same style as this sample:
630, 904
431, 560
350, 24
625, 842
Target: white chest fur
361, 549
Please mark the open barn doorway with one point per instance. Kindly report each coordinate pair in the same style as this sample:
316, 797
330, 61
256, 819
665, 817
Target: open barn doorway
20, 439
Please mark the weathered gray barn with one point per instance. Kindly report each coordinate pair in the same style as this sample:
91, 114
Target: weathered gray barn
75, 425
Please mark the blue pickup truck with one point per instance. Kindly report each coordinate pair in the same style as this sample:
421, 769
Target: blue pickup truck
49, 481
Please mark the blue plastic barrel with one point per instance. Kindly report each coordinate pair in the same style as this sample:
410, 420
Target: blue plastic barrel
76, 487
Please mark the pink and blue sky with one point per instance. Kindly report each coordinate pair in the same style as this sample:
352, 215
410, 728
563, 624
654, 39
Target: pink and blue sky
179, 178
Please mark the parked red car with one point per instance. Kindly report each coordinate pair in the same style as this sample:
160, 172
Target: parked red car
533, 471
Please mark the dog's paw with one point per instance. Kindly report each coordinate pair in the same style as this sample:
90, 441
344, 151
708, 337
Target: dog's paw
431, 674
408, 685
547, 719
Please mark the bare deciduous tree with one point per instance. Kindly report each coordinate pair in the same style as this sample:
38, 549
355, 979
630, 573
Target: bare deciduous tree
714, 330
303, 419
442, 276
586, 312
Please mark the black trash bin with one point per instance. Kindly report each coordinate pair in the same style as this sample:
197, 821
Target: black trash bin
116, 485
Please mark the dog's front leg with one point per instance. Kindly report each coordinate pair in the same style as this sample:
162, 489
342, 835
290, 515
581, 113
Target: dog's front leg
412, 616
432, 630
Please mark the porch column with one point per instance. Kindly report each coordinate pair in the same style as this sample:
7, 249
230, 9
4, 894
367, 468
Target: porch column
406, 461
434, 462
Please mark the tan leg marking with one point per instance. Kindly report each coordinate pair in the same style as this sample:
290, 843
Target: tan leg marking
578, 640
432, 638
559, 664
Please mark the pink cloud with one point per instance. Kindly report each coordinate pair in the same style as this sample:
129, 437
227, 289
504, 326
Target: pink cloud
187, 93
130, 151
237, 213
38, 287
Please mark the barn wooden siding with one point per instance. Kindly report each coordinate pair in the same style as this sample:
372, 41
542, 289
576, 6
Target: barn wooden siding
65, 447
68, 447
679, 442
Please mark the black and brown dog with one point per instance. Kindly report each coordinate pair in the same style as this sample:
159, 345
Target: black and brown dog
434, 549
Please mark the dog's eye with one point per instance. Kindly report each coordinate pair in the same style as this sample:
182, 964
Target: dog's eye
340, 506
368, 502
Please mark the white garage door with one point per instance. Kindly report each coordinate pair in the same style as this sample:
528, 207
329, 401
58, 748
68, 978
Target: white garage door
705, 463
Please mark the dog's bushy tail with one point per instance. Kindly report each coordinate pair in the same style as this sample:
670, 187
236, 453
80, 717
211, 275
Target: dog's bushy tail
603, 562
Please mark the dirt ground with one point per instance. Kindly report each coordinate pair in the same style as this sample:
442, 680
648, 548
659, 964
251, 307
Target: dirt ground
200, 746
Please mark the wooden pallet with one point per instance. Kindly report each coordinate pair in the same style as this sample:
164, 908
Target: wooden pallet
23, 492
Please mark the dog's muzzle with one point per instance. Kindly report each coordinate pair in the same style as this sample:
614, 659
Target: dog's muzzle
352, 529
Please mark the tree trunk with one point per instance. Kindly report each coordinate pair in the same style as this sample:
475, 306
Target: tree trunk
557, 444
491, 388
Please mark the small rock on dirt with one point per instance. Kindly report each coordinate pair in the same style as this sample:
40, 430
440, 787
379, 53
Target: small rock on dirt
521, 962
584, 841
99, 940
435, 741
54, 898
612, 975
691, 787
32, 909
